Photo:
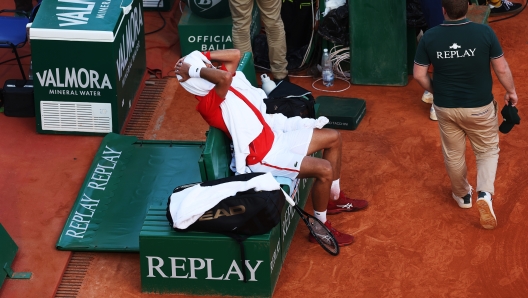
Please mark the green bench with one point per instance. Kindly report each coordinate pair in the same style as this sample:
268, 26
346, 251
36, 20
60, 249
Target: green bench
201, 263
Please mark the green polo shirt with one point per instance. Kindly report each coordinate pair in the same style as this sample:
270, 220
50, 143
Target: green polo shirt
460, 52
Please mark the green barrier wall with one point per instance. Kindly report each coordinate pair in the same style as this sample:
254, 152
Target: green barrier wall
378, 42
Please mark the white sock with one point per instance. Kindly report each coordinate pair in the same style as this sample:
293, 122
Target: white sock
320, 215
335, 190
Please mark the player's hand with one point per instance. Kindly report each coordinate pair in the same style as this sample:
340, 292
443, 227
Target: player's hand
182, 69
511, 98
321, 121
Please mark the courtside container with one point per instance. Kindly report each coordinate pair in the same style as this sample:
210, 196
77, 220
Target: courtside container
201, 34
88, 63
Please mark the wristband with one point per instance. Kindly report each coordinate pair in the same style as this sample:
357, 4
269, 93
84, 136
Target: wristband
194, 71
207, 55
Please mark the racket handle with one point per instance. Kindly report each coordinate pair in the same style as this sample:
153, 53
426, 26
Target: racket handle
288, 198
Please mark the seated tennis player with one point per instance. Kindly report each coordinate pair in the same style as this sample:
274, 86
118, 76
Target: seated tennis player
267, 142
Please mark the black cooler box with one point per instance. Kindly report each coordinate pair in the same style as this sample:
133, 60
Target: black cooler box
343, 113
18, 98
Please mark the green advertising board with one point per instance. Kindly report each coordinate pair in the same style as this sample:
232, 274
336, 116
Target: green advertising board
201, 34
88, 62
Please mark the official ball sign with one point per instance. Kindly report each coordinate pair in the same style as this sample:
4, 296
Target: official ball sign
210, 9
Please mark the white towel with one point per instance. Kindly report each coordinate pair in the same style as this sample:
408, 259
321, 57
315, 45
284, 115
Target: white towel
188, 205
196, 86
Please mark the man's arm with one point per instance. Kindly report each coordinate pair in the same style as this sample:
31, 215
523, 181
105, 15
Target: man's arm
421, 76
502, 70
222, 79
230, 58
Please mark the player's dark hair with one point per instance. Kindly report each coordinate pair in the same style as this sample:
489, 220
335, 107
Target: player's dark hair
455, 9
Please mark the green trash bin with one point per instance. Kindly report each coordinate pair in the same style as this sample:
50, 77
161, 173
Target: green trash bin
378, 42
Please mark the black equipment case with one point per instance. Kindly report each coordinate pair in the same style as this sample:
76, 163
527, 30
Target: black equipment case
18, 98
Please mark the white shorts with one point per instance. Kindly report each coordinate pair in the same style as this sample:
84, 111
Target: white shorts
286, 154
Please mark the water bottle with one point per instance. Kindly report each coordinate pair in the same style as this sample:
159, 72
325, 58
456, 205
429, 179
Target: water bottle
267, 84
324, 58
328, 70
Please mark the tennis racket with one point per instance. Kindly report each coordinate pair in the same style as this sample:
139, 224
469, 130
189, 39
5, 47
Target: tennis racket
321, 233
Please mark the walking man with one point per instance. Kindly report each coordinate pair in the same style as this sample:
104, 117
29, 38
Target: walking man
461, 53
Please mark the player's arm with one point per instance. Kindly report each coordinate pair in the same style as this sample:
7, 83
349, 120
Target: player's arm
230, 58
221, 78
503, 72
422, 77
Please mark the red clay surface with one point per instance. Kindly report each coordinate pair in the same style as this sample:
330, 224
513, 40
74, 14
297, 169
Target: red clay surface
412, 241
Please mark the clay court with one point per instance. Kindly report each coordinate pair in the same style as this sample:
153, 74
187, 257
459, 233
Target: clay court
412, 241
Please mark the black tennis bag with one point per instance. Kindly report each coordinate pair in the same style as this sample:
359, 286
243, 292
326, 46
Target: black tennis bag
290, 100
240, 216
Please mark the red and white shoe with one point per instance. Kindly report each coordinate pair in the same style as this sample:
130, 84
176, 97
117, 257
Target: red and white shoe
345, 204
341, 238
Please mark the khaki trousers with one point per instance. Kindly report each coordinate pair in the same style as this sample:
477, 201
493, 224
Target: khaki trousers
481, 127
270, 14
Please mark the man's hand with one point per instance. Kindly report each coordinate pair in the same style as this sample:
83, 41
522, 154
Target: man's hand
511, 98
182, 69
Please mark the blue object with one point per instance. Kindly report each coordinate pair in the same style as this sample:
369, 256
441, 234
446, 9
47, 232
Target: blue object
432, 10
13, 33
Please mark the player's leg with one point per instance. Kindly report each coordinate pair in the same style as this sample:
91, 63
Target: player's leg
321, 170
329, 140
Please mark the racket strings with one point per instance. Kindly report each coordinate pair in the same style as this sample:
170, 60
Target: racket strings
324, 235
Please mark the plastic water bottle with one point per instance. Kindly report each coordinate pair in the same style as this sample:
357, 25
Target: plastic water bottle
328, 70
267, 84
324, 58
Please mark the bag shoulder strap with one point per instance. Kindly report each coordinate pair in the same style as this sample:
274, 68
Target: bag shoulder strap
240, 239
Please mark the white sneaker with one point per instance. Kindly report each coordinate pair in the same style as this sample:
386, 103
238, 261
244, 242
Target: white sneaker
465, 201
432, 114
427, 97
487, 216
